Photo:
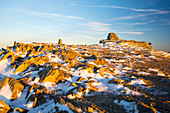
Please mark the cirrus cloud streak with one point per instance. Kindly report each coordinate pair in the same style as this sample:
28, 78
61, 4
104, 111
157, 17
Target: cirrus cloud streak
53, 16
134, 33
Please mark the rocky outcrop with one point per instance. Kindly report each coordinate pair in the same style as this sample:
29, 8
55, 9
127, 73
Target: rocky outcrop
49, 74
136, 43
15, 86
4, 108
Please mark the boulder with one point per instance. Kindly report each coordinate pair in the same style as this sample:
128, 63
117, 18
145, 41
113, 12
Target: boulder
112, 36
103, 70
24, 65
90, 109
15, 86
21, 68
50, 74
6, 55
4, 108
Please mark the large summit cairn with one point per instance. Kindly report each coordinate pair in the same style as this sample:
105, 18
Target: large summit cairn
112, 36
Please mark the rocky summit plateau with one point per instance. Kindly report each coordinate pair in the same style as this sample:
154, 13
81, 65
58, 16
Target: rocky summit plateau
114, 76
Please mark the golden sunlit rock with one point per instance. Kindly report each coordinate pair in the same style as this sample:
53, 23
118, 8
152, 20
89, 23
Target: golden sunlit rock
15, 86
4, 108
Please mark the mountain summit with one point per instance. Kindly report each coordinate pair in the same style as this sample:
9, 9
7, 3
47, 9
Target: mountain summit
114, 76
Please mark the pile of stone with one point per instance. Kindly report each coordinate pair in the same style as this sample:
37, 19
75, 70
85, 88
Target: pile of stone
112, 37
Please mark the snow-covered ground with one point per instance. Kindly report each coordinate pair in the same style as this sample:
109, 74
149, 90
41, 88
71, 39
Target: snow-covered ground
88, 70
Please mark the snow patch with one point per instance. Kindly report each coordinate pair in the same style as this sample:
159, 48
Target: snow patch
155, 70
6, 91
136, 82
130, 107
143, 73
1, 106
63, 107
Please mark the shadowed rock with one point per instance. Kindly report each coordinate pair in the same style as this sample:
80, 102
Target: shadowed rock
50, 74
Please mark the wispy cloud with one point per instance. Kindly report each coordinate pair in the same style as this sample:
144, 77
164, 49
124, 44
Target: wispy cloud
132, 9
127, 17
135, 33
73, 4
148, 12
151, 29
54, 16
137, 23
46, 28
97, 26
165, 21
86, 36
135, 16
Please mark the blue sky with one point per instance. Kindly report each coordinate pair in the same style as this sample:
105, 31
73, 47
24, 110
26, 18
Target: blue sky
85, 21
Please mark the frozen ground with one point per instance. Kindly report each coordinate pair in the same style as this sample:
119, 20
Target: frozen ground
59, 78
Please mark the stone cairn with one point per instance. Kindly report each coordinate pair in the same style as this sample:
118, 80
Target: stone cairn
60, 41
112, 36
